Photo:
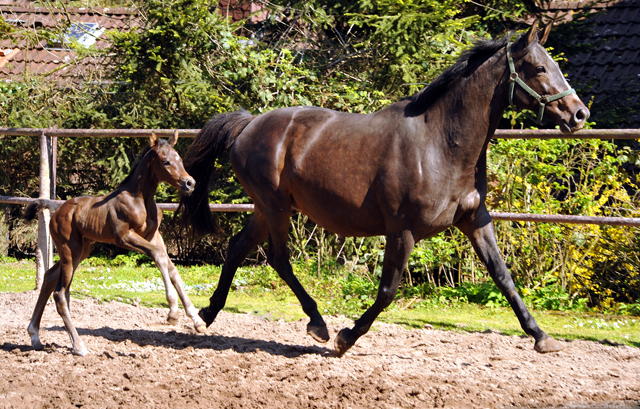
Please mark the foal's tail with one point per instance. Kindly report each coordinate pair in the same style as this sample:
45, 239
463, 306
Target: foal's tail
34, 208
216, 137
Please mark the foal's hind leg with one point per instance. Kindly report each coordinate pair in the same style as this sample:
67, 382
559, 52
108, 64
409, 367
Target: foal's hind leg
71, 254
479, 229
240, 245
278, 257
396, 254
51, 277
173, 284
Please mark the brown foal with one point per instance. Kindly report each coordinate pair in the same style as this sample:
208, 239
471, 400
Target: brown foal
127, 217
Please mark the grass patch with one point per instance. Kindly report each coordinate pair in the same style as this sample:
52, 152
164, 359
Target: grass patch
258, 290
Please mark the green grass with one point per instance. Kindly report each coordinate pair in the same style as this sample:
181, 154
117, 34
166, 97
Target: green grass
259, 291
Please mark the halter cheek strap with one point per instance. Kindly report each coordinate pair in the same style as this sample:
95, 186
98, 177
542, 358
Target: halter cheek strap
542, 100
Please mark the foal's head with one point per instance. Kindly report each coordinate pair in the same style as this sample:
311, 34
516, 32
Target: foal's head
556, 99
168, 166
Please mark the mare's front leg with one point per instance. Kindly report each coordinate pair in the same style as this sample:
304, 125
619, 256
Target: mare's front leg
278, 258
478, 227
173, 284
397, 252
240, 245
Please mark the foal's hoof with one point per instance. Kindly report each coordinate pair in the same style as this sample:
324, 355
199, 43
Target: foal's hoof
81, 352
201, 328
547, 345
319, 333
342, 344
172, 320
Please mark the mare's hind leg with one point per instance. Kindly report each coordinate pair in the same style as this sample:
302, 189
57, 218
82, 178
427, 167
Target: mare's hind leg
479, 229
278, 257
50, 279
173, 284
71, 254
240, 245
396, 254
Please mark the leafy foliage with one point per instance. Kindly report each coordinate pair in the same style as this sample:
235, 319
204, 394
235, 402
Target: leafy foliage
186, 62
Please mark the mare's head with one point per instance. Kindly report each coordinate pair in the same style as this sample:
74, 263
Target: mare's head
167, 165
552, 97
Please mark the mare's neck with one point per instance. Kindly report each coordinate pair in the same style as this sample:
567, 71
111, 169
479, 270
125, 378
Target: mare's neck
478, 102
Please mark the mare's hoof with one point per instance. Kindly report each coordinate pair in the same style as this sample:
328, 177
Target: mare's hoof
201, 329
342, 345
207, 316
173, 320
320, 334
547, 345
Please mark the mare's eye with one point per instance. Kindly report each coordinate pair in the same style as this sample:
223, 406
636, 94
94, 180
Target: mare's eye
541, 70
166, 163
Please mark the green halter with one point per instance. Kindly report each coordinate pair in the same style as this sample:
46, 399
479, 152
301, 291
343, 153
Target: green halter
513, 79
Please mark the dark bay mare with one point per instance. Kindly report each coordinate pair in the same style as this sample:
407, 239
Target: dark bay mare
127, 217
407, 172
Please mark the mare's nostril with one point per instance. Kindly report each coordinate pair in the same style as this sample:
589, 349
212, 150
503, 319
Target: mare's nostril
581, 115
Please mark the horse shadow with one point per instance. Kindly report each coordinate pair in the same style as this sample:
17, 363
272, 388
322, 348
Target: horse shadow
447, 326
180, 341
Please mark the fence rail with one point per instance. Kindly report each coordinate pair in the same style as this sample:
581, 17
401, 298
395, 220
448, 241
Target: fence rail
48, 136
191, 133
512, 217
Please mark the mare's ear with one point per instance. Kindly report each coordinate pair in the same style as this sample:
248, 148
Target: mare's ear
545, 33
153, 139
533, 31
172, 141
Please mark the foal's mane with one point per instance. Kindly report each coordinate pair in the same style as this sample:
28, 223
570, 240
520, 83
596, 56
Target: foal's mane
143, 153
466, 64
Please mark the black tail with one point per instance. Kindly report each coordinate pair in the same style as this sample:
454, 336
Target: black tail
216, 137
35, 207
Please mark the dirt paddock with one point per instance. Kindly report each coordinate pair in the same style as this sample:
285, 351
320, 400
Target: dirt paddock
245, 361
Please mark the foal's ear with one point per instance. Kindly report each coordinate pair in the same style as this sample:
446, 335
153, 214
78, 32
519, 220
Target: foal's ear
545, 33
172, 141
153, 139
533, 32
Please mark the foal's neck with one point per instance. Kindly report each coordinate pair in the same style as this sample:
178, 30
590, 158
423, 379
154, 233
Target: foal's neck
143, 182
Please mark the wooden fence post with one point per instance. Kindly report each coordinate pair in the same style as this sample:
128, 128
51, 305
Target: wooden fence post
44, 250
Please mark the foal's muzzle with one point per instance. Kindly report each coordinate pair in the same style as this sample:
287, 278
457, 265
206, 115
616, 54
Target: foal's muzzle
187, 185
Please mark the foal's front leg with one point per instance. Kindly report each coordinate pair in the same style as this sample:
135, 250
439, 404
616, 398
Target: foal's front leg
156, 251
479, 229
173, 283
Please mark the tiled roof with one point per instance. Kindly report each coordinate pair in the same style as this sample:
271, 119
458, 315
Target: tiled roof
613, 66
18, 56
39, 57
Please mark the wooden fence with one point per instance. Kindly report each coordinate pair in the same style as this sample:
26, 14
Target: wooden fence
48, 159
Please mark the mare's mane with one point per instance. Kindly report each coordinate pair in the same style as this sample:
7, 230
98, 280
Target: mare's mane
466, 64
143, 153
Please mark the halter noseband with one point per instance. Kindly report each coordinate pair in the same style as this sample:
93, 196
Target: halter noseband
513, 79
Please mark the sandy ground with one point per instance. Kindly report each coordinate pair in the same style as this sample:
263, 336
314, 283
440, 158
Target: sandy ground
245, 361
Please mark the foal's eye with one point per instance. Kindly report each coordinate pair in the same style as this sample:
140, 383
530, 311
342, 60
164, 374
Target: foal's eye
166, 163
541, 70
